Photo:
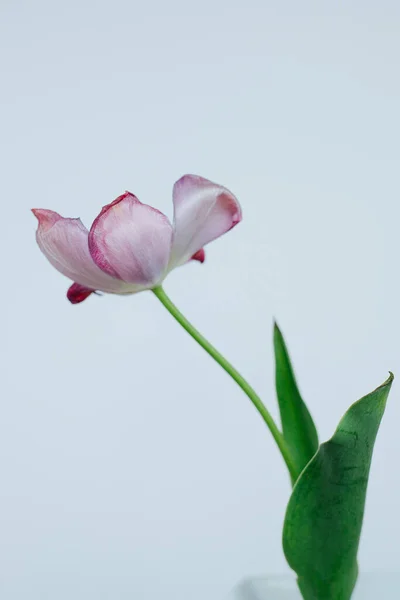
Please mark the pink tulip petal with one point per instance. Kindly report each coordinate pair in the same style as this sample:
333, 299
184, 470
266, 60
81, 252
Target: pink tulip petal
200, 255
78, 293
203, 211
64, 242
132, 241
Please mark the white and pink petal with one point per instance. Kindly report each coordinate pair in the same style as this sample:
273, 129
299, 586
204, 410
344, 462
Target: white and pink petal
203, 211
64, 242
131, 241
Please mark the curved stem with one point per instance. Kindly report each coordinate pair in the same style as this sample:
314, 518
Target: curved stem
236, 376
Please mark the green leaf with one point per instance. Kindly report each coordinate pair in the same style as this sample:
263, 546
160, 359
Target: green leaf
297, 425
325, 512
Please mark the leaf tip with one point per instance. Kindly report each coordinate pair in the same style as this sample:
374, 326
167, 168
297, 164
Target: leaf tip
387, 383
276, 328
390, 379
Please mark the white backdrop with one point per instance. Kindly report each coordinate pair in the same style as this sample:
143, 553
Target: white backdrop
131, 466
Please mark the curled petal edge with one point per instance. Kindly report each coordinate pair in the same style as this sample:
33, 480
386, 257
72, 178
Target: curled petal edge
77, 293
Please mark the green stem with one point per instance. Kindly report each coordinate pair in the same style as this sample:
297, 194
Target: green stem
226, 365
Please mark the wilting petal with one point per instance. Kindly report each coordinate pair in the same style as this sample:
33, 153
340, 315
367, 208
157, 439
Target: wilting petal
132, 241
78, 293
203, 211
65, 244
200, 255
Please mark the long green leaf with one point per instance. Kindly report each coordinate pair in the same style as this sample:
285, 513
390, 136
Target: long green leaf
297, 425
325, 512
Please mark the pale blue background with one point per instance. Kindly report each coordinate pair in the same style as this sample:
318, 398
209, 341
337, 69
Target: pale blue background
130, 465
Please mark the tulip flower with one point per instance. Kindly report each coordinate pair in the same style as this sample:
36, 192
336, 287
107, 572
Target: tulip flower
131, 246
